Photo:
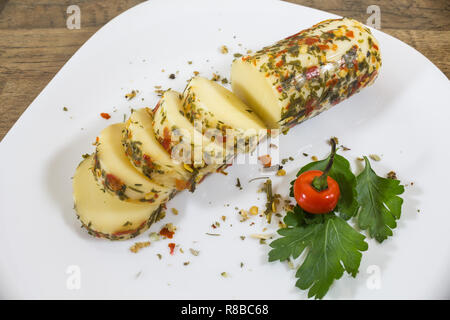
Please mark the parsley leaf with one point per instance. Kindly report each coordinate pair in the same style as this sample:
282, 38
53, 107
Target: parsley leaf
380, 205
340, 171
333, 247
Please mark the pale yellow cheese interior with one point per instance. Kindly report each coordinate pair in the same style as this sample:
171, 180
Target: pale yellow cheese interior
113, 159
221, 105
140, 129
252, 87
102, 211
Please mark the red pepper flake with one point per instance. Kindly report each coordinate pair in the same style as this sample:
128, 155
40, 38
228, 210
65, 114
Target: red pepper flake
349, 34
266, 160
279, 89
181, 184
332, 82
375, 46
312, 72
105, 115
172, 248
167, 140
279, 63
309, 106
113, 182
166, 233
310, 41
323, 46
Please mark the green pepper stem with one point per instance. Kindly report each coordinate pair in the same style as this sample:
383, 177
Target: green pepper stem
320, 183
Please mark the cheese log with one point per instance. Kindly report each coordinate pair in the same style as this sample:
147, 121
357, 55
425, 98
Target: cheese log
306, 73
114, 170
212, 108
103, 214
178, 137
147, 154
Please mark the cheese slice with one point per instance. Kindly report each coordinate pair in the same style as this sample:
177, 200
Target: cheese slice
304, 74
103, 214
179, 138
147, 154
114, 170
216, 111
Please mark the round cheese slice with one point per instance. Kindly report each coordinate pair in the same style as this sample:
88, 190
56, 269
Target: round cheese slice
147, 154
103, 214
213, 109
113, 169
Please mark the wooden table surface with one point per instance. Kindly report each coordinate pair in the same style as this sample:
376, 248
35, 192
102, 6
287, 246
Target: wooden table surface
35, 41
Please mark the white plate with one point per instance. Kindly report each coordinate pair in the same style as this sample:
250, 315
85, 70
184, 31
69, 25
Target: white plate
404, 117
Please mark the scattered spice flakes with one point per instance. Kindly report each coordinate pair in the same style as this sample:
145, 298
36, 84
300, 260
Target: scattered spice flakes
105, 115
253, 210
261, 236
172, 76
375, 157
186, 263
138, 246
224, 274
238, 184
242, 237
273, 146
174, 211
168, 230
215, 77
360, 159
244, 215
154, 236
213, 234
281, 172
196, 73
131, 95
224, 49
305, 154
159, 256
270, 200
237, 55
242, 264
171, 247
224, 80
224, 218
65, 109
189, 62
314, 158
249, 51
194, 252
392, 175
86, 155
344, 148
266, 160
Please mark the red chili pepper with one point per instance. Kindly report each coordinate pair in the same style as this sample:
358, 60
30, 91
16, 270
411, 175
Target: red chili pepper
105, 115
315, 191
172, 248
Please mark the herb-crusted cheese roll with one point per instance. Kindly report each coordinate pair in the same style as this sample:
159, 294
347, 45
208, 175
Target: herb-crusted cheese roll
178, 137
147, 154
216, 109
114, 170
306, 73
103, 214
